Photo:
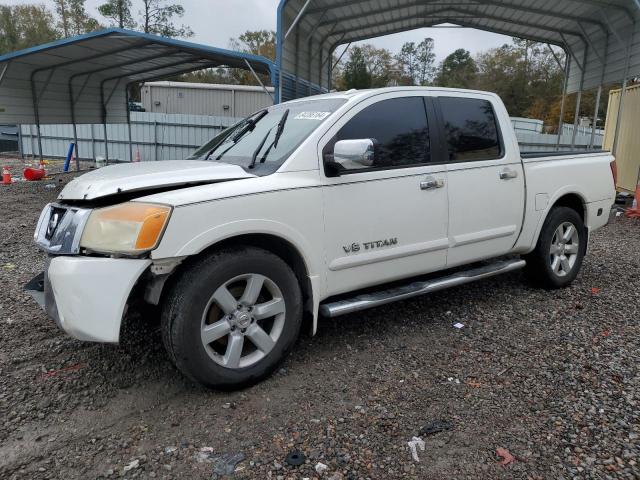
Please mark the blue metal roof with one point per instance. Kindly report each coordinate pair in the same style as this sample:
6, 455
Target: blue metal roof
84, 79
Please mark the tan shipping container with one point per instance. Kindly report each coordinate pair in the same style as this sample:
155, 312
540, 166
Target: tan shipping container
628, 155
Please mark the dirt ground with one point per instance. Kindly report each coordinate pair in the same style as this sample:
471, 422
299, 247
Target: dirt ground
552, 377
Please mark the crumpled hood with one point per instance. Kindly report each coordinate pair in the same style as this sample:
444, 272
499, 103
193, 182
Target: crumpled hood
132, 177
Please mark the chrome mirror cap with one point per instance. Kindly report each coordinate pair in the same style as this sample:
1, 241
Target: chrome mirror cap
354, 154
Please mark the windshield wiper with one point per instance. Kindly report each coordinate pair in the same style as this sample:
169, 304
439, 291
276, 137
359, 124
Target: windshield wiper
274, 144
249, 126
257, 150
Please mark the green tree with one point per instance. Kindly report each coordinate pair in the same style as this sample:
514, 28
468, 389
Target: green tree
458, 70
73, 18
24, 26
380, 64
119, 12
259, 42
425, 62
408, 61
158, 18
355, 71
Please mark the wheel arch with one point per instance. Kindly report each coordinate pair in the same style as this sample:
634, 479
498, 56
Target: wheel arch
568, 198
283, 248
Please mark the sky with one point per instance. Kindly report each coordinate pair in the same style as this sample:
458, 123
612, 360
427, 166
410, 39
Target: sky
214, 22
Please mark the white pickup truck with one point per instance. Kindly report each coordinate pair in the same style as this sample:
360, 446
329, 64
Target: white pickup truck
317, 207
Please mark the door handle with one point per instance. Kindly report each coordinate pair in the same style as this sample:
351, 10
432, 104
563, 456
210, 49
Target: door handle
431, 183
508, 174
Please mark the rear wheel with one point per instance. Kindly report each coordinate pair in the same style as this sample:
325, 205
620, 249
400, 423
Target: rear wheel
232, 318
558, 256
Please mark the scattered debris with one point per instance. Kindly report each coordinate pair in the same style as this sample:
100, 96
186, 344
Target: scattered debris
321, 467
436, 426
458, 325
131, 466
415, 444
226, 464
595, 291
170, 450
205, 455
69, 369
9, 266
506, 456
504, 370
454, 380
295, 458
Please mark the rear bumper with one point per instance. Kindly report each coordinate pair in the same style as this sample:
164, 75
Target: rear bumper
598, 214
86, 296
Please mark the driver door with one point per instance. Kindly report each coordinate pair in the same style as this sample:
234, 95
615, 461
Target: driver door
387, 219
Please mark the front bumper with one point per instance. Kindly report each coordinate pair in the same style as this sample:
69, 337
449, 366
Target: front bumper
87, 296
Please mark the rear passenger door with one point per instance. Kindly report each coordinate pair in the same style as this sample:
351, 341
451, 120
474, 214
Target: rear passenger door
486, 180
387, 221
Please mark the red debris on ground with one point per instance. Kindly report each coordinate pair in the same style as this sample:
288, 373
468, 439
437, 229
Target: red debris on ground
507, 458
70, 368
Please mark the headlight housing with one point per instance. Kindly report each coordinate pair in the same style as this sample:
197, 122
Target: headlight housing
130, 228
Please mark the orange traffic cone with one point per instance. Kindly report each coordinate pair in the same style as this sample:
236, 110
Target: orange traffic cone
6, 176
634, 211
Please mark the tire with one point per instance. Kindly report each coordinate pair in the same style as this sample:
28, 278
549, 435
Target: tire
557, 258
230, 318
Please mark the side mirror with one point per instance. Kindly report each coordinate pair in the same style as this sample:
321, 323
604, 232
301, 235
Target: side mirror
354, 154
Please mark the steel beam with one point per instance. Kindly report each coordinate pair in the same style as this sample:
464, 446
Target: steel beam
4, 72
570, 50
557, 59
567, 69
258, 79
36, 114
578, 101
587, 37
297, 19
599, 96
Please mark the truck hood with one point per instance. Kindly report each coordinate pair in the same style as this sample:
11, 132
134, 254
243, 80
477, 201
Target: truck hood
133, 177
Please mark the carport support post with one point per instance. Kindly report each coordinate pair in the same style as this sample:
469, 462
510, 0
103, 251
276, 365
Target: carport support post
579, 99
75, 145
567, 67
36, 114
127, 99
594, 125
576, 120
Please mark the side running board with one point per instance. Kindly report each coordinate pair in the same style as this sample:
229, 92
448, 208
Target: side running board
375, 299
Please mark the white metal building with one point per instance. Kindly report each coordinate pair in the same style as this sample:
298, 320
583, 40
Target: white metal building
204, 98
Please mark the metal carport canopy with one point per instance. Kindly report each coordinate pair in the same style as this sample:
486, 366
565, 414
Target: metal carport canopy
84, 79
600, 37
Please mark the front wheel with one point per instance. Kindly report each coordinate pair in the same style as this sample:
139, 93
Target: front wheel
558, 256
232, 317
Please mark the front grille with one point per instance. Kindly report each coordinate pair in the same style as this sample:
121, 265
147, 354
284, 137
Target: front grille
60, 228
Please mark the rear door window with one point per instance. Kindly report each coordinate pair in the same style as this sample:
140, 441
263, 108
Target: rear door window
399, 128
470, 129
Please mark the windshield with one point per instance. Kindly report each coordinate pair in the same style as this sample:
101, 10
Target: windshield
257, 133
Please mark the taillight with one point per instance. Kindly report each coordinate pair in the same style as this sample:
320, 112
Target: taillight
614, 173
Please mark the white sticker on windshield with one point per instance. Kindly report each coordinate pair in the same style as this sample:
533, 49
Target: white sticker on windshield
312, 115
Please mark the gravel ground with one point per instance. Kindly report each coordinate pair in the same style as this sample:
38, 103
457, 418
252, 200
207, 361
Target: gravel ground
552, 377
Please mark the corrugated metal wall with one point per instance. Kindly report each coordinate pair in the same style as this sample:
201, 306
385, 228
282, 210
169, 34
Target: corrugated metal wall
203, 99
161, 136
157, 136
628, 154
